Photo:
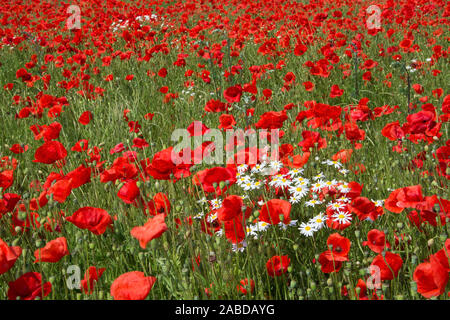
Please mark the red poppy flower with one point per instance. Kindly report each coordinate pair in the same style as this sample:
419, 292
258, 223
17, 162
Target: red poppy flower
233, 94
277, 265
53, 251
129, 192
227, 121
6, 179
95, 220
8, 256
231, 208
162, 72
50, 152
197, 128
300, 49
309, 86
327, 265
152, 229
210, 179
244, 285
215, 106
162, 166
271, 120
407, 197
340, 247
376, 240
90, 278
234, 229
132, 285
61, 190
270, 211
393, 131
160, 204
431, 279
343, 155
85, 118
28, 287
365, 209
336, 91
17, 148
393, 262
312, 139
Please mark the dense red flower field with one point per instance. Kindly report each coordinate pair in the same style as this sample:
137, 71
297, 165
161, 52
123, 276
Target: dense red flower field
224, 149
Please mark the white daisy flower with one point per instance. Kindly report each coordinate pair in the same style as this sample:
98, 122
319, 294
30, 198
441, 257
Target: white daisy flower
215, 203
239, 246
283, 182
342, 217
293, 199
312, 203
344, 171
330, 183
242, 168
299, 191
334, 163
243, 180
317, 186
248, 185
212, 218
256, 185
378, 203
337, 206
307, 229
319, 176
294, 172
343, 199
202, 201
318, 221
251, 230
258, 167
344, 188
262, 225
198, 215
276, 165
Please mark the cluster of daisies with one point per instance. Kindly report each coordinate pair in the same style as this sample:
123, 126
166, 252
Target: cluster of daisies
301, 190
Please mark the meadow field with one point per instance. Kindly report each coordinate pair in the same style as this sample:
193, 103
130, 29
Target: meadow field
224, 149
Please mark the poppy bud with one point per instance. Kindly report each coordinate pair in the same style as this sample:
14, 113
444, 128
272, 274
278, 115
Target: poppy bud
38, 243
329, 282
293, 284
18, 229
430, 242
312, 285
443, 237
357, 233
295, 247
